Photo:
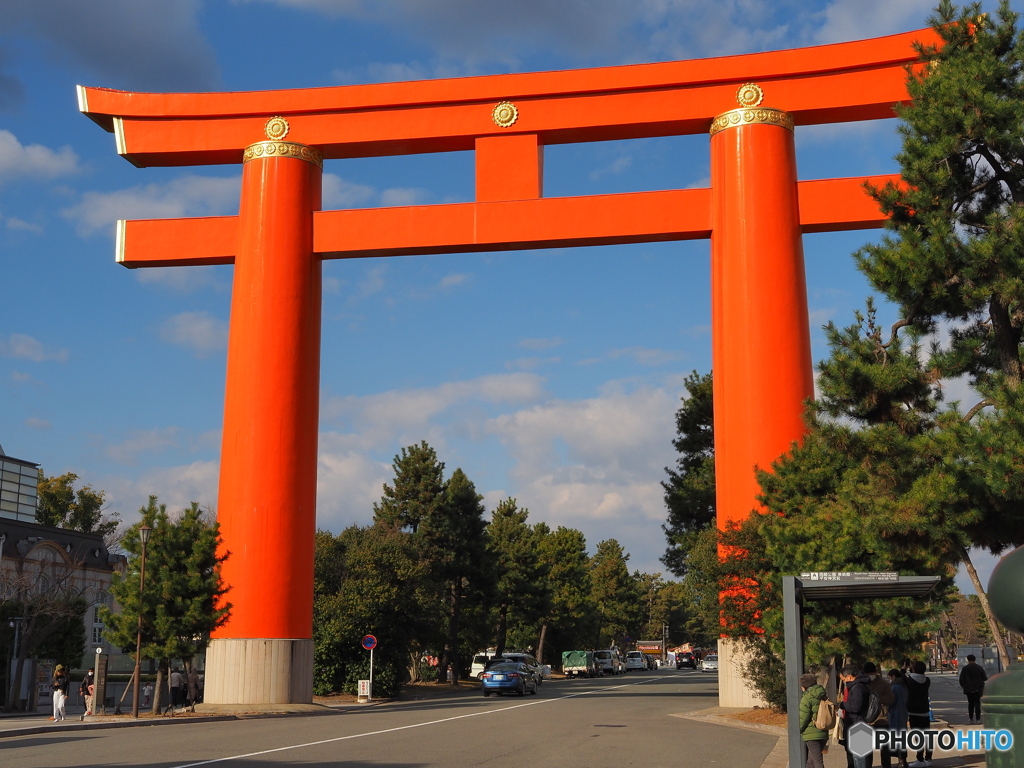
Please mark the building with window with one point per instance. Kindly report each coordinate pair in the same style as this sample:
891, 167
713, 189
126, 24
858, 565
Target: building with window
19, 483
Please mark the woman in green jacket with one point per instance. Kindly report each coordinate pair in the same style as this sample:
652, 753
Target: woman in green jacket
814, 738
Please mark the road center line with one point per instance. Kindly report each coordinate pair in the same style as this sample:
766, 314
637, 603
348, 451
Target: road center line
407, 727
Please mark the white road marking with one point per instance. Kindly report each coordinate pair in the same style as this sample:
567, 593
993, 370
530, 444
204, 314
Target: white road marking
407, 727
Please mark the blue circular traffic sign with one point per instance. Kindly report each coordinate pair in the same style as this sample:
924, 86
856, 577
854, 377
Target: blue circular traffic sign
369, 642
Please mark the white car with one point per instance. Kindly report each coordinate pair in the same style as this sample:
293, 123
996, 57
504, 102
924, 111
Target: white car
636, 660
710, 663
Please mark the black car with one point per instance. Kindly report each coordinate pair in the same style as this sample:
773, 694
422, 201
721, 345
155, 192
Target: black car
686, 659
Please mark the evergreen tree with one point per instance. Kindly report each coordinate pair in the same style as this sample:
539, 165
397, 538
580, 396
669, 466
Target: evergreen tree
690, 489
183, 598
520, 575
568, 623
454, 547
954, 255
612, 591
418, 491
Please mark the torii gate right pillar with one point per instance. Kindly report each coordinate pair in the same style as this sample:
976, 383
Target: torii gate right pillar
761, 349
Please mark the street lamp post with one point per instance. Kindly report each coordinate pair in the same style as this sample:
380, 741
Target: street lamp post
144, 532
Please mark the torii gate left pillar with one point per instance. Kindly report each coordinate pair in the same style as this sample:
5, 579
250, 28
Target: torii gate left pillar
267, 493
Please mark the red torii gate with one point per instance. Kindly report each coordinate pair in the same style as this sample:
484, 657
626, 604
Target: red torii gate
754, 213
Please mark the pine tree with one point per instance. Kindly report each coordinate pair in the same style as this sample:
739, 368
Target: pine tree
61, 505
520, 575
613, 591
184, 597
954, 257
568, 623
454, 548
690, 489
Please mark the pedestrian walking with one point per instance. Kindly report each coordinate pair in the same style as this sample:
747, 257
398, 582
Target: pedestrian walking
814, 738
856, 698
193, 688
60, 685
972, 683
919, 709
147, 694
177, 685
898, 712
87, 689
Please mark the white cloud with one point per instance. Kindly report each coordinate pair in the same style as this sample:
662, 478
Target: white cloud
181, 280
595, 464
41, 424
450, 281
403, 196
861, 19
531, 363
184, 196
348, 485
646, 356
338, 193
33, 160
201, 332
18, 225
614, 168
177, 487
20, 346
143, 441
541, 343
404, 416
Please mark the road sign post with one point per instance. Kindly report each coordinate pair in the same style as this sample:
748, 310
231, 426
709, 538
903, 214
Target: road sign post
369, 643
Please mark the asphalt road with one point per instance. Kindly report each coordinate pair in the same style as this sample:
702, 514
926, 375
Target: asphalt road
613, 722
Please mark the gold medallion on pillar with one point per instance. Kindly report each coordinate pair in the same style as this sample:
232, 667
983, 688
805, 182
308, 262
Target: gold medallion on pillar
749, 96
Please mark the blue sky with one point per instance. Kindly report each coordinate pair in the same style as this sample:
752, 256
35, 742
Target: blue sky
552, 376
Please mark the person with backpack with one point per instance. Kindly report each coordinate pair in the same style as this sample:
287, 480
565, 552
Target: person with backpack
856, 701
898, 711
919, 709
814, 735
878, 706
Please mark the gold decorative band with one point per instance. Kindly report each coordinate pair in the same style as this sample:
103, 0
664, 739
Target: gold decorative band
283, 149
765, 115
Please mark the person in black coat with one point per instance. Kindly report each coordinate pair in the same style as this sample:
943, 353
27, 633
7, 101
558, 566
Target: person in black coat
855, 708
972, 682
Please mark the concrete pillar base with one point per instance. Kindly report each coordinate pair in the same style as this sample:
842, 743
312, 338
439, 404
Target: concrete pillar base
733, 690
259, 671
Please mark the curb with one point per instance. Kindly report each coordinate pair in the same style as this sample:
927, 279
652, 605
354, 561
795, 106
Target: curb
777, 758
131, 723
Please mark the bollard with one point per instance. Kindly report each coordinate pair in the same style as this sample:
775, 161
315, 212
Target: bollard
1002, 705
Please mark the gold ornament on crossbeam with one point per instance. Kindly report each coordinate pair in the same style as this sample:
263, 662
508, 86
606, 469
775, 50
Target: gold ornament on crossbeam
749, 95
276, 128
505, 114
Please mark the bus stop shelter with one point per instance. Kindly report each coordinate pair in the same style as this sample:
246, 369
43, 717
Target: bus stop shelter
829, 585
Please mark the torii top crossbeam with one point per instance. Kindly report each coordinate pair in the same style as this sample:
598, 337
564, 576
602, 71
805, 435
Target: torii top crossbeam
755, 212
836, 83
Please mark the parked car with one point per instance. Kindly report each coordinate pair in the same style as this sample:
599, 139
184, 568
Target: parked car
636, 660
686, 659
609, 661
479, 664
509, 677
710, 663
528, 660
579, 664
